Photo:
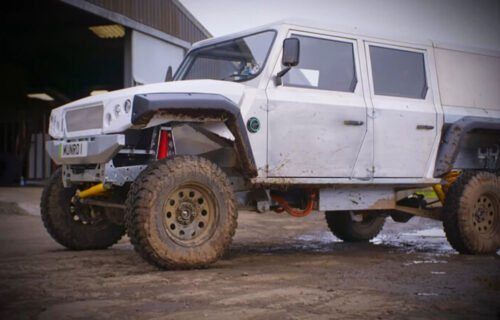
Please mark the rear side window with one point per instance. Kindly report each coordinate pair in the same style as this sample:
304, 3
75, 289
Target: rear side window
398, 73
323, 64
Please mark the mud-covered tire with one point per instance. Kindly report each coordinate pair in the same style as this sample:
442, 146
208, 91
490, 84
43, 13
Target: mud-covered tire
181, 213
471, 213
58, 220
343, 226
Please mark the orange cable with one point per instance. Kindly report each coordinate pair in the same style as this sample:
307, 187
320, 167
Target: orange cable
292, 211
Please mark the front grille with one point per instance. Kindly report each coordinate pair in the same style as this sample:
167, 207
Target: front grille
84, 118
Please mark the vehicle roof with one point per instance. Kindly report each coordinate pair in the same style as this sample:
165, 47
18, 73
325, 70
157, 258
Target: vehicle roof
311, 25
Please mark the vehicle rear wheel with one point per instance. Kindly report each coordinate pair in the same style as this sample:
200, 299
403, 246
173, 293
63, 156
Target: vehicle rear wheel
73, 225
471, 213
351, 227
181, 213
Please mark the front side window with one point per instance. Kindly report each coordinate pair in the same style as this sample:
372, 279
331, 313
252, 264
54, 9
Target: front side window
398, 73
323, 64
234, 60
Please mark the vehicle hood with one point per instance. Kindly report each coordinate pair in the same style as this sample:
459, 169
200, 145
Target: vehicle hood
231, 90
111, 105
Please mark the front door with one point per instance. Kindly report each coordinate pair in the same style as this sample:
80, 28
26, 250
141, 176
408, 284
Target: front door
317, 117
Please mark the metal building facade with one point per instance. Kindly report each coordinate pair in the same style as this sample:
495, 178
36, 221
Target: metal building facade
165, 15
53, 57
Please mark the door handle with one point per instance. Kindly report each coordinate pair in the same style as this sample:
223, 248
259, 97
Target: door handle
353, 123
424, 127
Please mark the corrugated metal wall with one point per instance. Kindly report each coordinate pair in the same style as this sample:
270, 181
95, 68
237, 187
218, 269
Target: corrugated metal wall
163, 15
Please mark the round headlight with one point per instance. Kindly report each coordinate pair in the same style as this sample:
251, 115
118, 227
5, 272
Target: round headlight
118, 109
108, 118
127, 106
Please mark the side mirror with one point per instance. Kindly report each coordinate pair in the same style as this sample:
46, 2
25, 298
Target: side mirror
169, 76
291, 52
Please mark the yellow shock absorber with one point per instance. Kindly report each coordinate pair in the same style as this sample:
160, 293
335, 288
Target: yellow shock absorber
97, 190
449, 178
441, 189
438, 189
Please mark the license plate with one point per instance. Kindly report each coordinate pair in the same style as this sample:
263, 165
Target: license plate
73, 149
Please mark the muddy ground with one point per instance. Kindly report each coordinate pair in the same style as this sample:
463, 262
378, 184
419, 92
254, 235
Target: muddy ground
278, 267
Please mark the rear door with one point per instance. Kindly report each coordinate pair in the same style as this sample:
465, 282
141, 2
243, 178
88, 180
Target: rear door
405, 115
317, 117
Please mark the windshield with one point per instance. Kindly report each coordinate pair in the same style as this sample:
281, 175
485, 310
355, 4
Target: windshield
239, 59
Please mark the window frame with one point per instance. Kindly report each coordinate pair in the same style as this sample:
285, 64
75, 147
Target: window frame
186, 63
424, 52
358, 90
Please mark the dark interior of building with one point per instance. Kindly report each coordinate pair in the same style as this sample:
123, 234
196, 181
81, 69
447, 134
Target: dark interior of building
47, 47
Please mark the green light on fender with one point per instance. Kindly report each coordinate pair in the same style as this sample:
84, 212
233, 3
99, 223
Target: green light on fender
253, 125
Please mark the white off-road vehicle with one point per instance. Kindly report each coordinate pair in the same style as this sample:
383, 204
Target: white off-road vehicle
284, 117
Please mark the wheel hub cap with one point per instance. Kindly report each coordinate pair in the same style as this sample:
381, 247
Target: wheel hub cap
189, 214
185, 213
483, 214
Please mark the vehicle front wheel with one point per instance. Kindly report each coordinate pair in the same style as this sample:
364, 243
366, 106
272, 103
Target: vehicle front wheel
181, 213
352, 226
471, 213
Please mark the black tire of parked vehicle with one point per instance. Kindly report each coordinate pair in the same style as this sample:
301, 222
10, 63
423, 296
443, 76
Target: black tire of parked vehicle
58, 219
181, 213
345, 228
471, 213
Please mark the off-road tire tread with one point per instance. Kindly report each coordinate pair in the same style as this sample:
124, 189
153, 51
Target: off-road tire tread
145, 189
67, 232
458, 234
343, 227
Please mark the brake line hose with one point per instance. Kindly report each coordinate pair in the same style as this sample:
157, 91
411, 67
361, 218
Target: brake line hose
292, 211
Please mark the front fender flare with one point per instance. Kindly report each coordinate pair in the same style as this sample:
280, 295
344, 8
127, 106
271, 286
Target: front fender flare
198, 107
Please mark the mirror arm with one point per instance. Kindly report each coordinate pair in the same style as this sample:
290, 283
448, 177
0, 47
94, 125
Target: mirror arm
279, 75
169, 75
283, 72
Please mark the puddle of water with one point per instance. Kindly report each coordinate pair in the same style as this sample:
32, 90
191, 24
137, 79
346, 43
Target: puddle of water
438, 272
432, 240
425, 294
381, 239
322, 237
427, 233
424, 262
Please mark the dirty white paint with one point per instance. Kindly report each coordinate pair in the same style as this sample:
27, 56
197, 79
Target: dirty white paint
468, 80
304, 138
349, 198
307, 136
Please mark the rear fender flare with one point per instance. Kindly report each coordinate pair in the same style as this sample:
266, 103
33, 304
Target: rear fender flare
451, 140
